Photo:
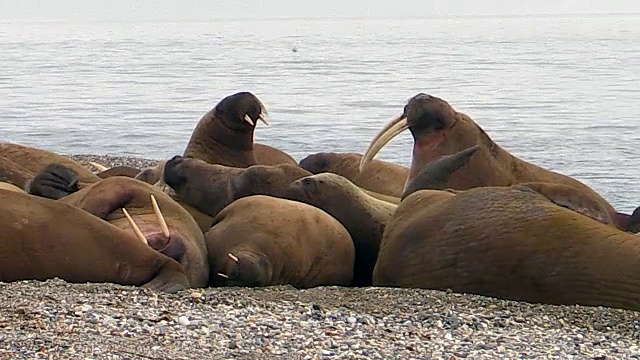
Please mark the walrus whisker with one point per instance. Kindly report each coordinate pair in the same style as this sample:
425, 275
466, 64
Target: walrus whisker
247, 118
161, 220
263, 118
100, 167
388, 132
233, 257
135, 227
223, 275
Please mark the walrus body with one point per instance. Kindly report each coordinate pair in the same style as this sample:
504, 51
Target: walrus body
33, 160
224, 135
210, 187
268, 155
182, 240
273, 241
379, 176
364, 216
121, 170
440, 130
43, 238
512, 243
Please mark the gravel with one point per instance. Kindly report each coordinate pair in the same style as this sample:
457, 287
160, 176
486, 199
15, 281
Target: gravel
54, 319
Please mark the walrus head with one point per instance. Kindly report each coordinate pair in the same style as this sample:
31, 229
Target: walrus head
240, 111
436, 127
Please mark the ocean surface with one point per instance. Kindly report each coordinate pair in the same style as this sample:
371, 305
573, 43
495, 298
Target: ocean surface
560, 91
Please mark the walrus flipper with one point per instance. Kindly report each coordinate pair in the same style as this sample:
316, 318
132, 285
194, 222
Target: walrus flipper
170, 279
436, 173
54, 182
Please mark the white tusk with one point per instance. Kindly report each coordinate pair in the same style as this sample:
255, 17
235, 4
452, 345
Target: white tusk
233, 257
223, 275
161, 220
263, 118
135, 227
388, 132
248, 119
100, 167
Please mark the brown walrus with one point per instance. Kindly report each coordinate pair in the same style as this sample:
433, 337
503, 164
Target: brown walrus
268, 155
382, 177
120, 170
224, 135
43, 238
439, 130
175, 234
513, 243
210, 187
33, 160
261, 241
362, 215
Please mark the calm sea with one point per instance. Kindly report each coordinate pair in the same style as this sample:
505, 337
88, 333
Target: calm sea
562, 92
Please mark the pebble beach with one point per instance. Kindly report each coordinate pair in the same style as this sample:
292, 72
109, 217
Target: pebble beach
57, 320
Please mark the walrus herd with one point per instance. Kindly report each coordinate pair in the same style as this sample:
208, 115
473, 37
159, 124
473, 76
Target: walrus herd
466, 216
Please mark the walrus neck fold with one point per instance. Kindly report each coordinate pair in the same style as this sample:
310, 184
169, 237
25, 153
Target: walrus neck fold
216, 143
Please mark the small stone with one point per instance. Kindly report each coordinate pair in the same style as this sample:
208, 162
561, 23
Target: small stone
351, 320
184, 321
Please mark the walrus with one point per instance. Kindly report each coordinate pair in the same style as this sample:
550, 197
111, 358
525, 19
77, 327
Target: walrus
268, 155
261, 240
161, 222
152, 174
379, 176
362, 215
10, 187
438, 129
43, 239
120, 170
210, 187
224, 135
33, 160
513, 243
13, 173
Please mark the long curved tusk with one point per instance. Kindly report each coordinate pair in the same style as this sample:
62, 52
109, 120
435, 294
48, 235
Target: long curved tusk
161, 220
388, 132
223, 275
233, 257
100, 167
263, 117
247, 118
135, 227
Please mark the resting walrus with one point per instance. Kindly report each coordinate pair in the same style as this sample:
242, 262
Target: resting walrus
438, 130
32, 160
211, 187
175, 234
535, 242
43, 238
379, 176
261, 241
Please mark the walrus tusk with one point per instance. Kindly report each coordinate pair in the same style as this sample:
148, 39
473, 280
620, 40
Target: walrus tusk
100, 167
161, 220
247, 118
263, 118
388, 132
233, 257
223, 275
135, 227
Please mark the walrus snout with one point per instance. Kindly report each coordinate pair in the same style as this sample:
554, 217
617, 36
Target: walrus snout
244, 269
172, 246
241, 111
54, 182
172, 174
427, 113
315, 163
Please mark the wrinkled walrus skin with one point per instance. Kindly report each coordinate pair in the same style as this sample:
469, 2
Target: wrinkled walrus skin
511, 243
42, 238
